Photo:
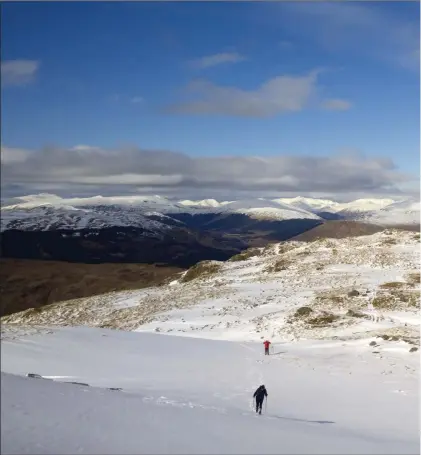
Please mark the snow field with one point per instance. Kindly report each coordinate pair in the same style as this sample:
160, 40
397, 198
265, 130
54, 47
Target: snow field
185, 395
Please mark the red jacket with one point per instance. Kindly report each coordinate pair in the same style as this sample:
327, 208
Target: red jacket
266, 343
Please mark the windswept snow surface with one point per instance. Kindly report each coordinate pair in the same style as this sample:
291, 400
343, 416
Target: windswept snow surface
185, 395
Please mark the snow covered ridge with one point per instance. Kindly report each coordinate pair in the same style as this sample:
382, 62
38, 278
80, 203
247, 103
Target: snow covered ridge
402, 212
262, 292
50, 217
46, 212
32, 211
378, 211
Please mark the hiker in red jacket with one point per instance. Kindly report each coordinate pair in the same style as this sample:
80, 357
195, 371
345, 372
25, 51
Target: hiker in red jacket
267, 344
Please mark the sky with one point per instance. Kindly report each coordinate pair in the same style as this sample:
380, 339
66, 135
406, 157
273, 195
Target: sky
211, 99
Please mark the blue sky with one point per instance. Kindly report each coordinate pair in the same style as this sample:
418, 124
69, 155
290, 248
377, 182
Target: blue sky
214, 79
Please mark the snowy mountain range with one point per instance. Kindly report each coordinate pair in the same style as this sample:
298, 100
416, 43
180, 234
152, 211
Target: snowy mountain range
48, 211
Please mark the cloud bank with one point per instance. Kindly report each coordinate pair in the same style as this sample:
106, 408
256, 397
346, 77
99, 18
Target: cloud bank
93, 169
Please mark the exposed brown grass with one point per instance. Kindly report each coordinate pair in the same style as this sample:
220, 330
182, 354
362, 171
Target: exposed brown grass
356, 314
32, 284
392, 285
386, 301
338, 230
390, 241
202, 269
409, 297
304, 311
279, 265
330, 298
353, 293
413, 279
323, 320
251, 252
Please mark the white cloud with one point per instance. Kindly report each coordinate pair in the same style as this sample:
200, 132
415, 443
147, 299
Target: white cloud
336, 105
217, 59
164, 171
275, 96
284, 93
18, 72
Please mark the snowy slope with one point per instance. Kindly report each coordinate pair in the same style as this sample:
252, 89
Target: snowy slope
266, 209
402, 212
183, 395
364, 205
48, 212
326, 205
252, 298
259, 207
310, 204
248, 299
50, 217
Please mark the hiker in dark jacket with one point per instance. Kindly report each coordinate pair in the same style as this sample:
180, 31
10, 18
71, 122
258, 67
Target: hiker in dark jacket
259, 396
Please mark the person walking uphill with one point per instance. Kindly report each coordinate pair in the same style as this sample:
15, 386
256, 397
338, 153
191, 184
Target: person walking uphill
259, 396
267, 344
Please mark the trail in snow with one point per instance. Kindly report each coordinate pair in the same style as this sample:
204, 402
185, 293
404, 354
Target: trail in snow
185, 395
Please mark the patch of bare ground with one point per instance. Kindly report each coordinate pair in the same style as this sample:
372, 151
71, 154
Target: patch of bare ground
203, 269
338, 230
397, 299
33, 284
105, 310
390, 241
331, 299
404, 227
313, 318
249, 253
278, 265
413, 279
393, 285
